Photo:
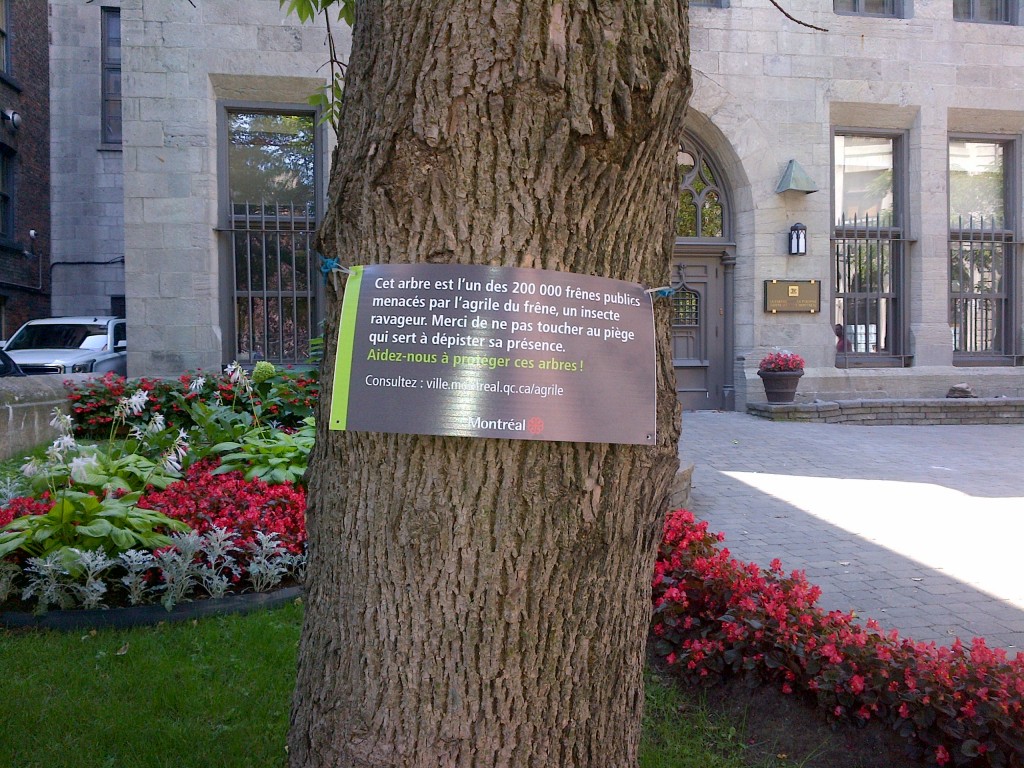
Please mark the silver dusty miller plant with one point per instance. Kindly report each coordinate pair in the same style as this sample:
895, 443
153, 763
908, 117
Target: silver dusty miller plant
8, 572
90, 566
136, 563
49, 582
219, 568
269, 563
179, 568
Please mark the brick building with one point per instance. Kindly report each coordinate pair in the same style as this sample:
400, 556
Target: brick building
24, 164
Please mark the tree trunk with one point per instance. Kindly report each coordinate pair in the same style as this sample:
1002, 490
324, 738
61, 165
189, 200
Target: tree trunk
475, 602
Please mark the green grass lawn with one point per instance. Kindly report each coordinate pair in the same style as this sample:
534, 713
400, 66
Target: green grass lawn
216, 692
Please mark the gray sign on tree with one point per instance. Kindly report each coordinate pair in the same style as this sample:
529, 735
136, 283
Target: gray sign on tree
499, 352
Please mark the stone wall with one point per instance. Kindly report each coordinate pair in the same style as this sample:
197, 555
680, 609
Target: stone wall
182, 65
26, 408
994, 410
767, 91
87, 175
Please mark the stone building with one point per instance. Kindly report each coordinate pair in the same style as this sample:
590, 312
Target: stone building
24, 164
188, 175
907, 118
889, 139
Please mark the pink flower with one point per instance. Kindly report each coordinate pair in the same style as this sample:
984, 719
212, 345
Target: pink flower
941, 755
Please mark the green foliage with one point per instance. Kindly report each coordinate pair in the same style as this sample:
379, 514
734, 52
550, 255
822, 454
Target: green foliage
307, 10
111, 471
328, 97
80, 520
272, 456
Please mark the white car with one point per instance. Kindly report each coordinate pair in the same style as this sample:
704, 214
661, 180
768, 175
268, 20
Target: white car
87, 344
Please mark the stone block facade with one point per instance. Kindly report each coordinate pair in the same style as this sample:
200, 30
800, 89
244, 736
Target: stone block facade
141, 221
768, 90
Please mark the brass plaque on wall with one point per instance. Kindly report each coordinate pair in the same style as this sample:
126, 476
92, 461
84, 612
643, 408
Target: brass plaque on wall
792, 296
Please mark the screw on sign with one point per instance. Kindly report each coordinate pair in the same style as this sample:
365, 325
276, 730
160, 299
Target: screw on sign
535, 425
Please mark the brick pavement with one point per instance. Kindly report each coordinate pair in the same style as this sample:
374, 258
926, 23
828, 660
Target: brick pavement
918, 527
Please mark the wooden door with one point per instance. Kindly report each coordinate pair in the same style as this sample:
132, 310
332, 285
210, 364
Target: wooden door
698, 333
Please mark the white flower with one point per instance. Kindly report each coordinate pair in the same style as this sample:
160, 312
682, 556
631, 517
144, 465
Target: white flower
32, 467
157, 423
137, 433
80, 465
61, 422
174, 455
235, 372
136, 404
60, 446
197, 384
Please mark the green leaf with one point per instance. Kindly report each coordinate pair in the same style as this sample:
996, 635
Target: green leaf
122, 539
98, 528
10, 542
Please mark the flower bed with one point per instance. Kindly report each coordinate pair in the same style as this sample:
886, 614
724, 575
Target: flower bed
202, 506
715, 616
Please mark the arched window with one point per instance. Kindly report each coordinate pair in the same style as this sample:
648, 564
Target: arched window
703, 208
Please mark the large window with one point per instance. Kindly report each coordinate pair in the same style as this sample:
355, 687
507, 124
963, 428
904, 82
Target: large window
6, 195
991, 11
110, 83
868, 251
867, 7
5, 19
982, 254
271, 171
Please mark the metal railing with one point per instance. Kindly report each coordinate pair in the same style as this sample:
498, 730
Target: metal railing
868, 280
982, 273
275, 273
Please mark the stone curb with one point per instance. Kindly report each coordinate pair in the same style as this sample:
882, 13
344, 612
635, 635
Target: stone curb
147, 615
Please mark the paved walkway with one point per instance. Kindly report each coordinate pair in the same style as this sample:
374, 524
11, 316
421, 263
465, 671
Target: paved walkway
920, 528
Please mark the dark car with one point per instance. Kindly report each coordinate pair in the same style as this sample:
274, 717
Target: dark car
8, 367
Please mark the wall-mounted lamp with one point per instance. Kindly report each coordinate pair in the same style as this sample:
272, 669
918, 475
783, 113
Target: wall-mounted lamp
12, 117
796, 179
797, 240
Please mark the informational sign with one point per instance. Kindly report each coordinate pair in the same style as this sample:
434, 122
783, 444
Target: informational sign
792, 296
482, 351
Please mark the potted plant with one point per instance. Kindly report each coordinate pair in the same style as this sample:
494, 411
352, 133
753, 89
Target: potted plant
780, 373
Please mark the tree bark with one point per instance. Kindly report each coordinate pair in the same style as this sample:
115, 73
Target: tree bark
472, 602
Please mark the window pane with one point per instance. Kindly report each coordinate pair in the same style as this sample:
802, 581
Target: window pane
270, 158
110, 83
864, 180
993, 10
977, 186
844, 6
880, 7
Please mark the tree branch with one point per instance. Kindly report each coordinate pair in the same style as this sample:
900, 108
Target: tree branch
786, 13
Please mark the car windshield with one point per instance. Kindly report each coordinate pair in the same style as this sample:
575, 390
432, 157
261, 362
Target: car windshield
64, 336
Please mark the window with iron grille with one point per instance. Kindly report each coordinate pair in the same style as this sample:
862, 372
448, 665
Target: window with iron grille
868, 250
110, 77
983, 254
989, 11
271, 170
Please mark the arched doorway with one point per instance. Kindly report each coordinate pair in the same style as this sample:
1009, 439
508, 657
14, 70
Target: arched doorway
702, 270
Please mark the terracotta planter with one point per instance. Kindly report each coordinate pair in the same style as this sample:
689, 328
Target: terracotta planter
780, 386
